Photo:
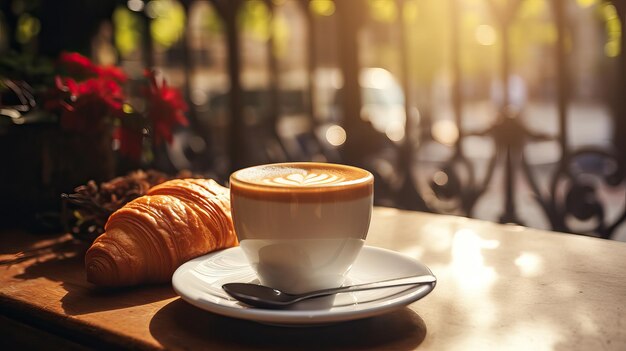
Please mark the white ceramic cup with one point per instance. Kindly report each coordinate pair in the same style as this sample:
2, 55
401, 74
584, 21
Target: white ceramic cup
301, 225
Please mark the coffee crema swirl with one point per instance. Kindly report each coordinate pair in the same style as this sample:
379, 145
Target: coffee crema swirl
305, 179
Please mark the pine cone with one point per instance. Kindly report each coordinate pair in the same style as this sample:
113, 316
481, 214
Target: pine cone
87, 210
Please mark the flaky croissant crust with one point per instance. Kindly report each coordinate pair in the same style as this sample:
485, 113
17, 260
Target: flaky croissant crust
147, 239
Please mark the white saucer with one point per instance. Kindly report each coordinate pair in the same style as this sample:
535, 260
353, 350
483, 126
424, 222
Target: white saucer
200, 281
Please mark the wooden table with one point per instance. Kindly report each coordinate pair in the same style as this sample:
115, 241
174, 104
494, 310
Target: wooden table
500, 287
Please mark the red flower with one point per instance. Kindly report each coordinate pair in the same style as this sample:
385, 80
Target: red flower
108, 91
80, 66
112, 72
166, 109
87, 104
130, 141
77, 64
91, 98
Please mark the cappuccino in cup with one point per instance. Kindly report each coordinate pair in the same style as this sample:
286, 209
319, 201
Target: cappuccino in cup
301, 225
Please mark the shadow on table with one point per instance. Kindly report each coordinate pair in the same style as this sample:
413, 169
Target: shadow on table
83, 301
180, 325
83, 297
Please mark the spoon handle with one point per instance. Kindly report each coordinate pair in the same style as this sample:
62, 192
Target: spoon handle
413, 280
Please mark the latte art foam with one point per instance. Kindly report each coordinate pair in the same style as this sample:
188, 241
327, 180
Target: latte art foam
301, 175
302, 182
305, 179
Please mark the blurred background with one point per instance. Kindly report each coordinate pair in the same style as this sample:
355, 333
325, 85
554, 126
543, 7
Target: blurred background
504, 110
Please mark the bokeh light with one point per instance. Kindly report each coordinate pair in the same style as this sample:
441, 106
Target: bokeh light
336, 135
586, 3
199, 97
254, 19
322, 7
485, 35
440, 178
385, 11
168, 21
127, 35
135, 5
613, 27
395, 131
28, 27
445, 131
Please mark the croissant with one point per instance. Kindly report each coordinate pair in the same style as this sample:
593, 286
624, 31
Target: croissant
147, 239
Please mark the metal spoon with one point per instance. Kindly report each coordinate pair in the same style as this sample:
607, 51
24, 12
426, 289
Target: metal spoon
266, 297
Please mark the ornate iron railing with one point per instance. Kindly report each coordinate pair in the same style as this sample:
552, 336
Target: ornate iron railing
568, 195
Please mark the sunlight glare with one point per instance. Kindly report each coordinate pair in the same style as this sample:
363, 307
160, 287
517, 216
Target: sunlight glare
547, 335
468, 261
437, 235
529, 264
415, 251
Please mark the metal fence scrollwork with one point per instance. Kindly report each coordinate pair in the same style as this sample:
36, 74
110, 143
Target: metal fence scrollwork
531, 110
574, 196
